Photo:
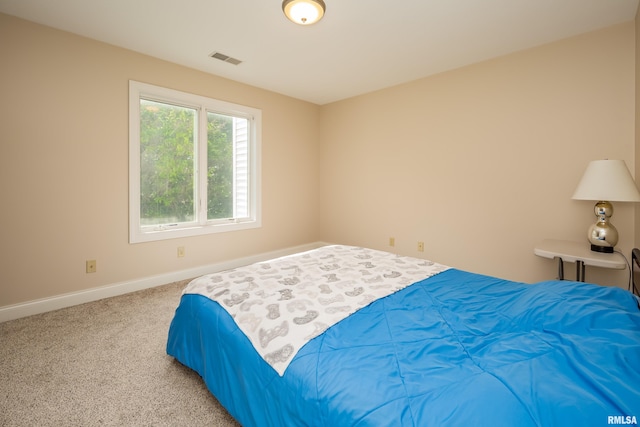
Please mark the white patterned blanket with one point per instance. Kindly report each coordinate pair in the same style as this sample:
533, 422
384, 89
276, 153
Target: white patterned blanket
282, 304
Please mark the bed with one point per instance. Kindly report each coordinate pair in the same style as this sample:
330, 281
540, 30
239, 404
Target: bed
449, 348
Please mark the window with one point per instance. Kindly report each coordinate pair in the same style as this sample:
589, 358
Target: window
193, 164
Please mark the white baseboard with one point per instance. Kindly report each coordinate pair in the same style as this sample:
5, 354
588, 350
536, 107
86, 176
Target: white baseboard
57, 302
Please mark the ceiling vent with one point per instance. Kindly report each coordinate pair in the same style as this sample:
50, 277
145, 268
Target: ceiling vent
225, 58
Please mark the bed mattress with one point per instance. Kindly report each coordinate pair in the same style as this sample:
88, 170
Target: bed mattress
457, 348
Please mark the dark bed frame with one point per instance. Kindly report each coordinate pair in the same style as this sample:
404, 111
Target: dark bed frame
635, 261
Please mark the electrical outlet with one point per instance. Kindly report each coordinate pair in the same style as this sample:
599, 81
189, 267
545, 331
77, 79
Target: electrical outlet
392, 241
180, 251
91, 266
420, 246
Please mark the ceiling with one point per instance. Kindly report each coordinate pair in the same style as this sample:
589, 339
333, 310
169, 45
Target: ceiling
359, 46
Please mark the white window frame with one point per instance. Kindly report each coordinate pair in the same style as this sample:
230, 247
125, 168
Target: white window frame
204, 105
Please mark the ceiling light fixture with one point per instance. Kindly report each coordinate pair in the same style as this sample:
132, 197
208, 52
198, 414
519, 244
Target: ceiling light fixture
304, 12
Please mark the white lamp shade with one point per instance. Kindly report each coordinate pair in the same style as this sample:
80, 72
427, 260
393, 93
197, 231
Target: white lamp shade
304, 12
607, 180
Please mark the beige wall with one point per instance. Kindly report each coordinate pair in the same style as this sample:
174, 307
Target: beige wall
64, 166
480, 163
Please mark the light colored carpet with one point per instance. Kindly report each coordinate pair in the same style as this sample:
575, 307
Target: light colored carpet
102, 363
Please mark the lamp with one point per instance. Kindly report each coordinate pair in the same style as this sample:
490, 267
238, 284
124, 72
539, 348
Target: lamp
604, 181
304, 12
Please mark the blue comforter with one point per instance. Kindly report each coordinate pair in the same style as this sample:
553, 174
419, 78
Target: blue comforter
457, 349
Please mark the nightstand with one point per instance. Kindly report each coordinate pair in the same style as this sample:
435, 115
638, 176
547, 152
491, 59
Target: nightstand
580, 253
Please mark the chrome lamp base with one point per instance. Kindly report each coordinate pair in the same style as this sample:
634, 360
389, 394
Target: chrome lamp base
602, 235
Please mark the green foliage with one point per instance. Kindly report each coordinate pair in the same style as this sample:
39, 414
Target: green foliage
220, 166
168, 164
